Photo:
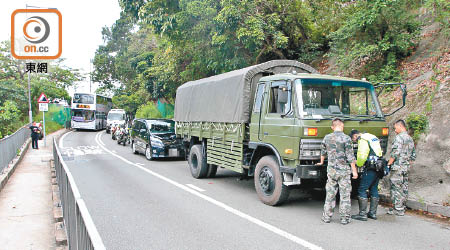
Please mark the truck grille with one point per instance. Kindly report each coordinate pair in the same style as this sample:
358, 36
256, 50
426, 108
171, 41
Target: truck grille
310, 149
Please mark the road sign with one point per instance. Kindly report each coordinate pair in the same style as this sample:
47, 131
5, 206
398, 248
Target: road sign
43, 98
43, 107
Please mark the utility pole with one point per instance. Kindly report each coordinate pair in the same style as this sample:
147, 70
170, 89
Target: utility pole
30, 113
90, 75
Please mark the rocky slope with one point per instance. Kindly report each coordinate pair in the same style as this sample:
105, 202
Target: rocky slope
427, 75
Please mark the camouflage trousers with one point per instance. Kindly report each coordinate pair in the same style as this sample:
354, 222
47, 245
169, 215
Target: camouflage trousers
399, 189
342, 182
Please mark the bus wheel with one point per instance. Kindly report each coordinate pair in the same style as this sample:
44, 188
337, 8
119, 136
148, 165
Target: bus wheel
197, 162
269, 182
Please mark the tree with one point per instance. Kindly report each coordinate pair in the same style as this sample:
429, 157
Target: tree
376, 35
14, 87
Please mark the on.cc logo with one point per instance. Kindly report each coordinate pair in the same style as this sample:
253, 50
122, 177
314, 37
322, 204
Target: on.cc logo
36, 29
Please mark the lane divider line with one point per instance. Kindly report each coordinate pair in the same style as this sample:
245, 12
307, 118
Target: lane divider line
101, 142
232, 210
195, 187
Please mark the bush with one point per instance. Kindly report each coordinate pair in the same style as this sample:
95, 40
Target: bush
418, 123
9, 118
148, 111
375, 37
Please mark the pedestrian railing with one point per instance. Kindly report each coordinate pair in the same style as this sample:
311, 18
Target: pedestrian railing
10, 145
81, 231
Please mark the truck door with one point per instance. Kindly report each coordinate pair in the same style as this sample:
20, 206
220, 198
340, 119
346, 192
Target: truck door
277, 121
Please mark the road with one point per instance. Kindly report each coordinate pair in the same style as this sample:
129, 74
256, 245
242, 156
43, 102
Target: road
140, 204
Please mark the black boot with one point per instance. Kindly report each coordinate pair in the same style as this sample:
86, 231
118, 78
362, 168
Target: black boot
373, 208
362, 210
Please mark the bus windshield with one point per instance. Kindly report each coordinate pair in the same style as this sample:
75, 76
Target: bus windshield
158, 126
322, 98
82, 115
83, 98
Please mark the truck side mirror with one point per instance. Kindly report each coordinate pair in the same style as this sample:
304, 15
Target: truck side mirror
282, 94
143, 130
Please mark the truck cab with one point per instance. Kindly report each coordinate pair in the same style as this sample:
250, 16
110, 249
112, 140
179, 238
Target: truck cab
292, 113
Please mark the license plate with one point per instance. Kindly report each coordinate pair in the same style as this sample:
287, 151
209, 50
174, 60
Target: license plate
173, 152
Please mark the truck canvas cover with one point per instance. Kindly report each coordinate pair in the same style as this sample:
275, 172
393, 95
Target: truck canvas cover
228, 97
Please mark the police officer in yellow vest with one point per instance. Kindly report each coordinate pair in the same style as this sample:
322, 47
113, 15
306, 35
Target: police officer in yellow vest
369, 150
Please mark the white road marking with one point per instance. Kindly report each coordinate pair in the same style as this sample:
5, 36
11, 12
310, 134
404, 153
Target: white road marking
61, 140
195, 187
101, 142
234, 211
140, 164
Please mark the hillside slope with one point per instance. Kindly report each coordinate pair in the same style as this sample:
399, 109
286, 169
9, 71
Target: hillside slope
427, 75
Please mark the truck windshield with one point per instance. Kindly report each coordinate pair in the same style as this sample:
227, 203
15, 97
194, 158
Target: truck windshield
116, 116
158, 126
322, 98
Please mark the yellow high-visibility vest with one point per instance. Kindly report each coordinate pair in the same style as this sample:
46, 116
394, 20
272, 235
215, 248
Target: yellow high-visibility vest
365, 140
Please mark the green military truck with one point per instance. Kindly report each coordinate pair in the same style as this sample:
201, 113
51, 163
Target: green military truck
268, 121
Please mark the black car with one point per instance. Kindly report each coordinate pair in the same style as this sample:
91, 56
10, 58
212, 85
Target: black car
155, 138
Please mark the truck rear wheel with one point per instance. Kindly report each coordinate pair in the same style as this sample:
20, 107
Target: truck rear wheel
212, 170
269, 182
197, 162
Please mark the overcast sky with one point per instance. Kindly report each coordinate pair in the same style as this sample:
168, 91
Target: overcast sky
82, 25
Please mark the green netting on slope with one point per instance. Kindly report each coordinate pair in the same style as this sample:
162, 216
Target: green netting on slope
166, 109
58, 113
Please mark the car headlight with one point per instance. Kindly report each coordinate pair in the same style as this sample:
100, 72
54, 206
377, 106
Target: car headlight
156, 142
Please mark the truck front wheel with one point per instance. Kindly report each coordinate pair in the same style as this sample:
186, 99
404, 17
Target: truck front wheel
269, 182
197, 162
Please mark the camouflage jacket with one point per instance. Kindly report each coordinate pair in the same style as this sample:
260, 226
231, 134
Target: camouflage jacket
403, 151
339, 149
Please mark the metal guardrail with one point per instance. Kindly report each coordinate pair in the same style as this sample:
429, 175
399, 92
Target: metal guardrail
9, 146
81, 231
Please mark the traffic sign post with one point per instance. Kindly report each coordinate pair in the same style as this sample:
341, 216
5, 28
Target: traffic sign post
43, 106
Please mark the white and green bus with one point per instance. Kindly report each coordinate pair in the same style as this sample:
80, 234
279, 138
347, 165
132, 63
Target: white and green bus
89, 111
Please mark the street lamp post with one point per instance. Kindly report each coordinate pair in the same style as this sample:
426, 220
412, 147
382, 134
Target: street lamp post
30, 112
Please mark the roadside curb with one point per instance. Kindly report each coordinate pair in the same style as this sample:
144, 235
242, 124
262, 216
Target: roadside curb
9, 170
421, 206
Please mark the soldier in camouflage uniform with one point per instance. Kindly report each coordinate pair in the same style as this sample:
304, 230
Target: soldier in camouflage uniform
339, 149
403, 152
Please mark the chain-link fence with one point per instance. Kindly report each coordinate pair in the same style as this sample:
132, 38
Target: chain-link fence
9, 146
81, 231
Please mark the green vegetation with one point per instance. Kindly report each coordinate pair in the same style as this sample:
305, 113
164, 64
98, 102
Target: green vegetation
155, 46
9, 118
14, 88
376, 35
149, 111
418, 123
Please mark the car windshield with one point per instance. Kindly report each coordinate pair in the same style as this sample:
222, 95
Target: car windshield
321, 98
116, 116
158, 126
83, 98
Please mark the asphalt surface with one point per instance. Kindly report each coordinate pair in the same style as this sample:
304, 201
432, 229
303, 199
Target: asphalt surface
140, 204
